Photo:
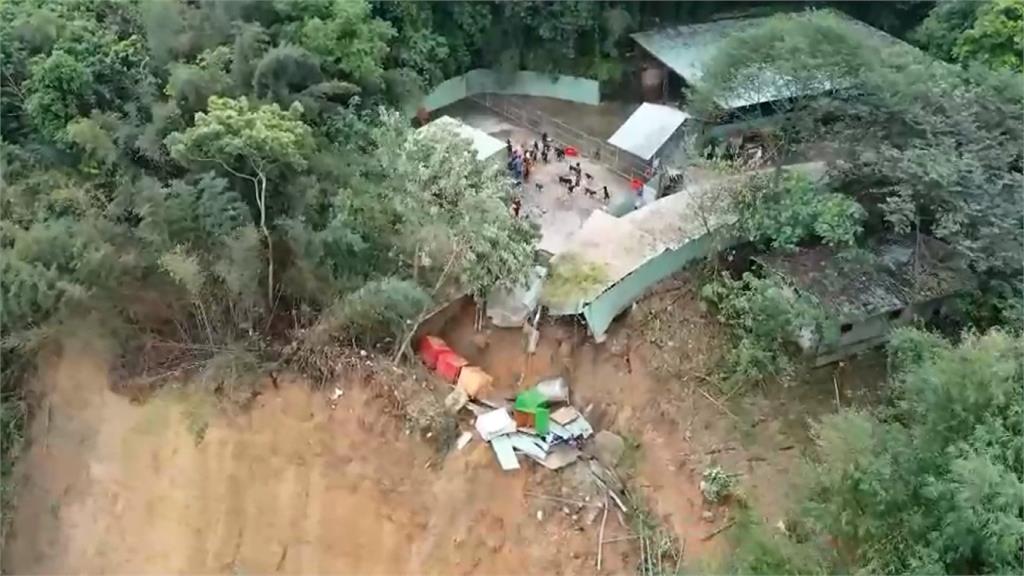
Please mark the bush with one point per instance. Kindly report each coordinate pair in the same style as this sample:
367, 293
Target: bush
786, 207
763, 317
380, 311
933, 483
715, 484
759, 549
572, 277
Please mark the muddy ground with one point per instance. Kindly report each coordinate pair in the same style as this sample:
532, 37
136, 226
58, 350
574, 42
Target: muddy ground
179, 484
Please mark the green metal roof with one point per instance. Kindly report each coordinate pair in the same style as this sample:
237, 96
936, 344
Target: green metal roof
689, 49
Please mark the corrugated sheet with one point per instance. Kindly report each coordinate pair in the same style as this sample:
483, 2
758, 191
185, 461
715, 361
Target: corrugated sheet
603, 309
650, 243
905, 270
485, 145
688, 50
524, 83
647, 129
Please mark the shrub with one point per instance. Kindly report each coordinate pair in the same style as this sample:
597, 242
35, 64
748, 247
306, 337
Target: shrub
784, 208
715, 484
763, 316
381, 310
932, 484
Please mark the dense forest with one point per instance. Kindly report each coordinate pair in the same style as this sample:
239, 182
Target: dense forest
236, 175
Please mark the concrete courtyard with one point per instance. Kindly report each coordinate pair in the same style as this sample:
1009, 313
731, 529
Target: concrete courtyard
545, 200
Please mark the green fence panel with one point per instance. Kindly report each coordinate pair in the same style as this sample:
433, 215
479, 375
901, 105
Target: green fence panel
600, 312
523, 83
446, 93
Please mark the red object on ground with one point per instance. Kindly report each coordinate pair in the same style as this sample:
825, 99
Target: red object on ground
571, 151
636, 184
431, 348
449, 365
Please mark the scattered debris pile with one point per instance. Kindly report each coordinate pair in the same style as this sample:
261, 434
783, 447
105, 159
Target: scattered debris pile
539, 423
551, 438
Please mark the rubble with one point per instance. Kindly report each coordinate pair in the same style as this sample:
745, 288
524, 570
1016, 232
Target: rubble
505, 452
539, 423
550, 438
494, 424
553, 389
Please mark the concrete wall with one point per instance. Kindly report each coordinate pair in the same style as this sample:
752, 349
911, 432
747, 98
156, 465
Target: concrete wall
524, 83
873, 331
519, 111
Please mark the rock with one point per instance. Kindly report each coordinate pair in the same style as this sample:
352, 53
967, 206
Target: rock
608, 448
707, 516
540, 515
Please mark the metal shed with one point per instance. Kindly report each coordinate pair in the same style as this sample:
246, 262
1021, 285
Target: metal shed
907, 277
647, 130
688, 50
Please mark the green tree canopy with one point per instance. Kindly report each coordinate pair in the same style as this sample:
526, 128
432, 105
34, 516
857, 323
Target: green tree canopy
933, 484
925, 146
252, 142
991, 33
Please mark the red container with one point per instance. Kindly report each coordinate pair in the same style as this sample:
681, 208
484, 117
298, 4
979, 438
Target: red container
449, 365
431, 347
636, 184
571, 151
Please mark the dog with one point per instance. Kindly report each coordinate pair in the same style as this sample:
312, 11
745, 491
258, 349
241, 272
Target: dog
590, 192
565, 180
572, 188
539, 187
588, 176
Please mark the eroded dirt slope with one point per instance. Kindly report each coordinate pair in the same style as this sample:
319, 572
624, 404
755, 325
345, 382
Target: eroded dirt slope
288, 486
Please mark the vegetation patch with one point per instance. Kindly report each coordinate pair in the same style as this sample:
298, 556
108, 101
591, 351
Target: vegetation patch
765, 319
571, 278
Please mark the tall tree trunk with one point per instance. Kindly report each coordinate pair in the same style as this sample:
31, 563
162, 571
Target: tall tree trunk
261, 203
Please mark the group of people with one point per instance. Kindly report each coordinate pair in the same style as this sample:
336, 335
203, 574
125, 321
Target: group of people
521, 161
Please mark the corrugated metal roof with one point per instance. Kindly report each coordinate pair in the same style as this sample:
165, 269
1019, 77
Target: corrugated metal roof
904, 271
622, 245
484, 144
688, 50
647, 129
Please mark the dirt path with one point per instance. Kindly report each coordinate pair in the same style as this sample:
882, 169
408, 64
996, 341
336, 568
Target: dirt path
289, 486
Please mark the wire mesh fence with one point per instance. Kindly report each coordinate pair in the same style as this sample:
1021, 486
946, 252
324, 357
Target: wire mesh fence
596, 149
